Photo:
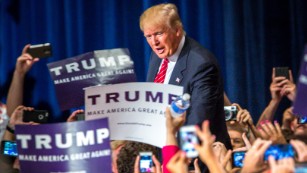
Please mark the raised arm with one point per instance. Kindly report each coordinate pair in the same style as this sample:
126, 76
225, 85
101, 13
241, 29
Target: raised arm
23, 65
276, 96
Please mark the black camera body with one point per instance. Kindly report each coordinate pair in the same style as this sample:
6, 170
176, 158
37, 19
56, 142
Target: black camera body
230, 113
37, 116
40, 50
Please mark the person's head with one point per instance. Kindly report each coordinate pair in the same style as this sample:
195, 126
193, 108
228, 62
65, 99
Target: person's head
128, 153
162, 29
235, 131
116, 147
299, 130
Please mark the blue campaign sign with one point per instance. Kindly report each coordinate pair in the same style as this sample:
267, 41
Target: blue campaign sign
70, 76
74, 147
300, 101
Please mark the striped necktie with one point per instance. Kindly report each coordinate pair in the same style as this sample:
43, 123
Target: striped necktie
161, 74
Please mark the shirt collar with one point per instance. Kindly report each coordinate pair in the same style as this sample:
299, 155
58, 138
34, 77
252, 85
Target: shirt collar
175, 56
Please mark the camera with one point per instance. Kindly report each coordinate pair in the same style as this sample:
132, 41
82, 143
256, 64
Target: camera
230, 113
145, 162
237, 158
301, 119
9, 148
40, 50
37, 116
188, 138
279, 151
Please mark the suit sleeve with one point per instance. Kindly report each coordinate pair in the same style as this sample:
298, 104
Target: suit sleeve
206, 91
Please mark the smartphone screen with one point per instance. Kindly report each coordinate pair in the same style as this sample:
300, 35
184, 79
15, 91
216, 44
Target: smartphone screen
279, 151
188, 138
282, 71
9, 148
302, 119
237, 158
145, 162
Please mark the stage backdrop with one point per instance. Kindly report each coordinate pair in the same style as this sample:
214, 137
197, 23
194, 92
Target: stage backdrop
248, 38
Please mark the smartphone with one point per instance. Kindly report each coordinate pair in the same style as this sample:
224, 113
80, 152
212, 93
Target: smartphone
302, 119
37, 116
9, 148
80, 116
279, 151
237, 158
145, 162
282, 71
188, 138
40, 50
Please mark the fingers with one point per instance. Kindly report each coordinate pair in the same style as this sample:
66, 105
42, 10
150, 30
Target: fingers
262, 131
243, 116
301, 150
272, 162
237, 105
137, 164
246, 141
167, 112
196, 166
265, 145
177, 162
267, 129
260, 146
278, 128
28, 108
270, 129
226, 158
73, 116
24, 50
157, 164
291, 76
25, 57
28, 123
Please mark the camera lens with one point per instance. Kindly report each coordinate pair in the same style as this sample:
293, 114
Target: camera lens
40, 116
228, 115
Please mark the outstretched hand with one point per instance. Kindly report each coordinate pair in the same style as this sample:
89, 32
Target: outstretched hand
25, 61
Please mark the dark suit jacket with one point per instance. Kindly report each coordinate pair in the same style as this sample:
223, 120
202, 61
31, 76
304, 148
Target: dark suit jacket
198, 72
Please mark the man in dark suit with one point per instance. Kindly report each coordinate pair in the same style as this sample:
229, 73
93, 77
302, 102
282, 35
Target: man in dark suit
188, 64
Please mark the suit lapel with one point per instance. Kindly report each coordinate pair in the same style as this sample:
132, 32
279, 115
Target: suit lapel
181, 65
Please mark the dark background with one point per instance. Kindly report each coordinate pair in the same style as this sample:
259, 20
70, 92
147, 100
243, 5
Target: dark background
248, 37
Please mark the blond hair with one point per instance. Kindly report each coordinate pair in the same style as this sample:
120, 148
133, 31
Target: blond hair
165, 14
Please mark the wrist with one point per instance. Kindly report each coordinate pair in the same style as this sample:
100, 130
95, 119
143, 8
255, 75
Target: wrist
275, 100
19, 74
10, 129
